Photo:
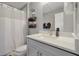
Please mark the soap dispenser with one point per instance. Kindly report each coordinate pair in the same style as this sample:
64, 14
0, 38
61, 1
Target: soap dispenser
57, 32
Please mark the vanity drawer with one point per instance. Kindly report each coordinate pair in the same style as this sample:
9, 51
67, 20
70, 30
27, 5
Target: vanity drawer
52, 49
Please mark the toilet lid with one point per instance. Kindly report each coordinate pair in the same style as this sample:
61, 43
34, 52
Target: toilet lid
22, 48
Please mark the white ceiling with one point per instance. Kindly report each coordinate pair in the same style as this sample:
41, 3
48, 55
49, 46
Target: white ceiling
17, 5
47, 7
52, 6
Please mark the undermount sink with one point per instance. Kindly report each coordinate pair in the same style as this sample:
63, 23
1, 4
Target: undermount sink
45, 36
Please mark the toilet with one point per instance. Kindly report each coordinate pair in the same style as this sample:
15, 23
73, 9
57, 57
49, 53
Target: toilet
20, 51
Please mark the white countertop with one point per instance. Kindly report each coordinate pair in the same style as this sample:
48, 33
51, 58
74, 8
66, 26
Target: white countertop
61, 41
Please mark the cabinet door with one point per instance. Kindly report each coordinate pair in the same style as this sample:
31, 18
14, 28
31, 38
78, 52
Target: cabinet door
47, 50
45, 53
33, 51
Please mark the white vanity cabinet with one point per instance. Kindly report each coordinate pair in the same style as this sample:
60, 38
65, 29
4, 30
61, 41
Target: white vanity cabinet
37, 48
36, 51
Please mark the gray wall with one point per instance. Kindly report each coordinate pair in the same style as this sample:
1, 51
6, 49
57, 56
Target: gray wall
68, 23
77, 20
50, 17
49, 7
38, 8
46, 17
68, 17
43, 17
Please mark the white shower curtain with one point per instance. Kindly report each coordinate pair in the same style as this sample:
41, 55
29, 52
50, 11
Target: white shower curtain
12, 23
